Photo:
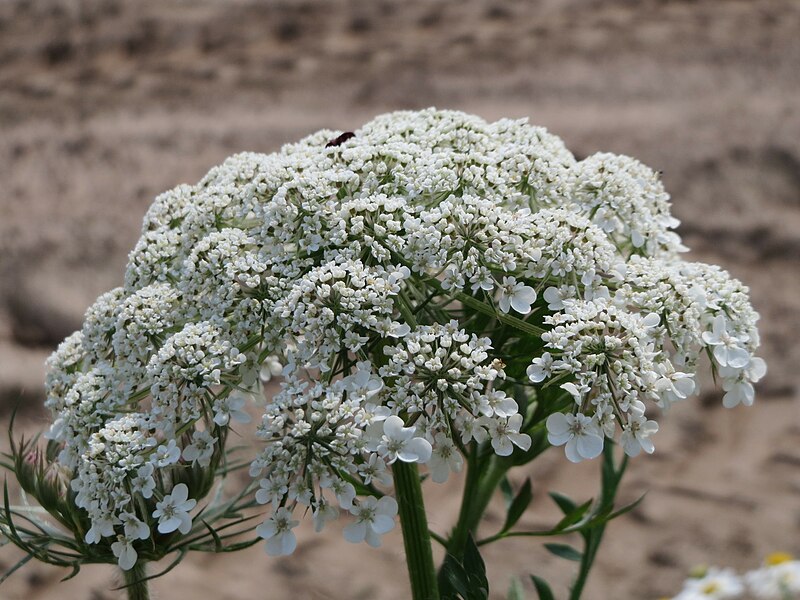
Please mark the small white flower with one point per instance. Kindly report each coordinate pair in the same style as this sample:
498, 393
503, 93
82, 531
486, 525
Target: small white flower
400, 442
727, 351
737, 392
277, 530
582, 436
505, 435
555, 296
577, 391
498, 403
738, 383
125, 553
324, 513
144, 483
101, 527
173, 511
516, 295
134, 528
445, 458
636, 435
716, 584
269, 369
344, 491
272, 489
230, 408
374, 469
674, 387
540, 368
201, 449
374, 518
775, 581
168, 454
362, 384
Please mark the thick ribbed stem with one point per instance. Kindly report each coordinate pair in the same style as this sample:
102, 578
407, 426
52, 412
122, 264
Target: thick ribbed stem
414, 523
134, 581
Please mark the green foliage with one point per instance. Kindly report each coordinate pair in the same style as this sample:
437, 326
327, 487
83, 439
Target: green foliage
542, 588
464, 580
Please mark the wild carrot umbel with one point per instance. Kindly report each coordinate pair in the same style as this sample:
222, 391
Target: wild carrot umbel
434, 291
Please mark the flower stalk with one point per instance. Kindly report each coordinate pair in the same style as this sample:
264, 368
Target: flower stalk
416, 539
136, 583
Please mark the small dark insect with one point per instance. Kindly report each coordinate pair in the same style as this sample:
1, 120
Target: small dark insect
341, 139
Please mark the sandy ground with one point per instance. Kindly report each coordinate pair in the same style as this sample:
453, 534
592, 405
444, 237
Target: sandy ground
104, 104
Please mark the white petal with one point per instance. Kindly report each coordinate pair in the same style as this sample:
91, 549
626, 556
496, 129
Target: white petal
756, 369
522, 440
382, 524
127, 558
372, 538
288, 542
738, 357
387, 506
186, 523
416, 450
558, 424
393, 426
651, 320
179, 493
355, 532
684, 386
502, 446
169, 525
590, 446
630, 444
559, 439
504, 304
721, 354
571, 450
267, 529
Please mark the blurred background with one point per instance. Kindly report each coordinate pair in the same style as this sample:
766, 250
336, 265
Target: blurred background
106, 103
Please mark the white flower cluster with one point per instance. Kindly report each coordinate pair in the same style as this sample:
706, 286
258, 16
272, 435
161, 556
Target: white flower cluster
778, 579
406, 277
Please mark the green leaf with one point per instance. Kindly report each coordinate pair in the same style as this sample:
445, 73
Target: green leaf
215, 535
453, 579
476, 571
515, 591
542, 588
564, 503
507, 491
564, 551
16, 567
518, 505
574, 516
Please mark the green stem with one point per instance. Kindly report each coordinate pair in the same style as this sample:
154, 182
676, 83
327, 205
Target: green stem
416, 539
483, 477
135, 583
587, 560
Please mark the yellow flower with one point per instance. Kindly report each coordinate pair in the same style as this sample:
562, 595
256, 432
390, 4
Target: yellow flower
777, 558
